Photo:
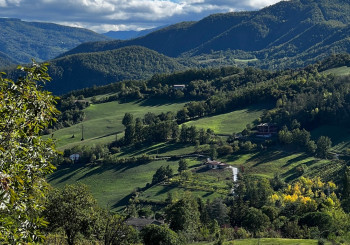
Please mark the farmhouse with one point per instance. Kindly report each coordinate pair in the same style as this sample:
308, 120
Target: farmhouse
266, 130
215, 164
179, 86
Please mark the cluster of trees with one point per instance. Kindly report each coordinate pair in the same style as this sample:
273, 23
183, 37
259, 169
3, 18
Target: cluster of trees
160, 128
75, 211
300, 138
162, 173
71, 111
151, 128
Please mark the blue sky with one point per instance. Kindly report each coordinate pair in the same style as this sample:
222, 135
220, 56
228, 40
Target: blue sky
105, 15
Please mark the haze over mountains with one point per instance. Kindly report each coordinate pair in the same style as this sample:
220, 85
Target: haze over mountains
126, 35
285, 35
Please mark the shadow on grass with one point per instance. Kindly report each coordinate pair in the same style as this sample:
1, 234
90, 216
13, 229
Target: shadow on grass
290, 175
165, 190
232, 158
296, 159
267, 156
208, 194
152, 149
160, 102
122, 202
67, 169
90, 169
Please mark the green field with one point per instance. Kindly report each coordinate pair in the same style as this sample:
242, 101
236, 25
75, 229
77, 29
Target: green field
110, 184
269, 162
340, 71
232, 122
104, 121
203, 183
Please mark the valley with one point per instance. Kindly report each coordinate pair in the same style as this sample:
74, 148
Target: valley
232, 129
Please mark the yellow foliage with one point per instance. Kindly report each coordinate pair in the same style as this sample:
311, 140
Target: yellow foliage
331, 185
305, 200
290, 198
274, 198
309, 193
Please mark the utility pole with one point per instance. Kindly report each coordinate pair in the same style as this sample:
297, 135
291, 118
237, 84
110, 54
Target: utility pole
82, 132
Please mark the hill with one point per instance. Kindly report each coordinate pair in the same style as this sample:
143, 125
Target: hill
144, 145
287, 34
5, 61
23, 41
88, 69
230, 103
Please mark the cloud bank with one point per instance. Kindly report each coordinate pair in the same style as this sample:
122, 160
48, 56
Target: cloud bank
105, 15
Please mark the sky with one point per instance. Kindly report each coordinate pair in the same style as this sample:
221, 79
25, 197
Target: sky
120, 15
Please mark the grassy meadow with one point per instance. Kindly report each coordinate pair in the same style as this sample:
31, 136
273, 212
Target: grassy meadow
340, 71
104, 121
110, 184
231, 122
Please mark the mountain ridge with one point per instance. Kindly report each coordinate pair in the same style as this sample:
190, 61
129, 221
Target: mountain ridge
23, 41
88, 69
284, 26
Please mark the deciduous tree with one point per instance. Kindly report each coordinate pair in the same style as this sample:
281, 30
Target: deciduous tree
24, 156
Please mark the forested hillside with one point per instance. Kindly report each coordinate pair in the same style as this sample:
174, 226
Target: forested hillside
23, 41
88, 69
5, 60
287, 34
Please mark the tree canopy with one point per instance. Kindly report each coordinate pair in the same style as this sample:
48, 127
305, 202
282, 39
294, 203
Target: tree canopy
24, 156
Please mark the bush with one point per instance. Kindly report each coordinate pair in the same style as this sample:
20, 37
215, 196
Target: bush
321, 241
225, 150
242, 233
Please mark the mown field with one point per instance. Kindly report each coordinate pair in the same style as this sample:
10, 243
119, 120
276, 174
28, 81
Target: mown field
232, 122
110, 184
104, 121
340, 71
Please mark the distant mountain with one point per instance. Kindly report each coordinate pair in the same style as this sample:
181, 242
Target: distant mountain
289, 33
5, 61
88, 69
22, 41
126, 35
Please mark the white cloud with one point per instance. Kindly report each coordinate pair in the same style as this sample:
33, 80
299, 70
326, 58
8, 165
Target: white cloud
121, 14
3, 3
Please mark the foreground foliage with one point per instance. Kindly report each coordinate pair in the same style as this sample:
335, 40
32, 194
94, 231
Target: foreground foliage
24, 156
